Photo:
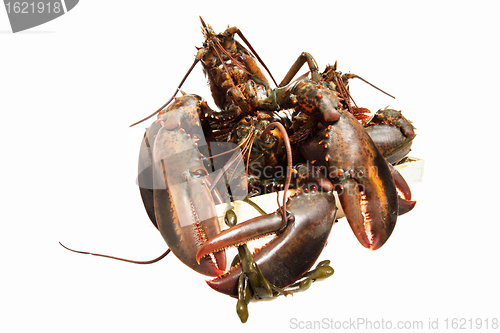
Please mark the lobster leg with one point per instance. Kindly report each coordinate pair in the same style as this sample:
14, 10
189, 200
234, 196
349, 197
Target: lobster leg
297, 65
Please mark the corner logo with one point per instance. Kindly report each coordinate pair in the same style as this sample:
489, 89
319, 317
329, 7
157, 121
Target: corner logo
28, 14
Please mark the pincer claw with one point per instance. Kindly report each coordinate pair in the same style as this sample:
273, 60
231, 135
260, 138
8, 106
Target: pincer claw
173, 184
361, 176
296, 246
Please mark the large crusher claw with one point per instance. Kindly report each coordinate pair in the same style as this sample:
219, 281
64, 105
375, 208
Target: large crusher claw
297, 244
173, 184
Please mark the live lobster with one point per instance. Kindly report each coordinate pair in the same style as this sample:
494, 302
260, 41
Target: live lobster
307, 134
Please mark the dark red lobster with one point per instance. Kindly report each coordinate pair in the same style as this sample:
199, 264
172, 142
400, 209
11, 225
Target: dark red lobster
304, 135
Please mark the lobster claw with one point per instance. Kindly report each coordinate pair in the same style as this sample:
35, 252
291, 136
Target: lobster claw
371, 208
404, 194
173, 185
362, 176
296, 246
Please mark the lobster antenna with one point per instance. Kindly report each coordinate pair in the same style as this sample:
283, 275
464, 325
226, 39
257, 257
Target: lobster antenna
354, 76
243, 38
345, 93
115, 258
205, 28
173, 96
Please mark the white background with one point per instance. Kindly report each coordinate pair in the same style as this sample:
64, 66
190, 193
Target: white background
70, 88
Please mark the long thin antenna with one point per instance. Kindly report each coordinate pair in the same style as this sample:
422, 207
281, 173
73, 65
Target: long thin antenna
115, 258
354, 76
173, 96
256, 55
345, 93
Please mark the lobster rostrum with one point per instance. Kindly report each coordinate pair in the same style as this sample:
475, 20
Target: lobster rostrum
193, 158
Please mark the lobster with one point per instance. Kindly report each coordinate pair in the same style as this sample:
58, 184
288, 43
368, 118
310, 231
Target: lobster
192, 158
